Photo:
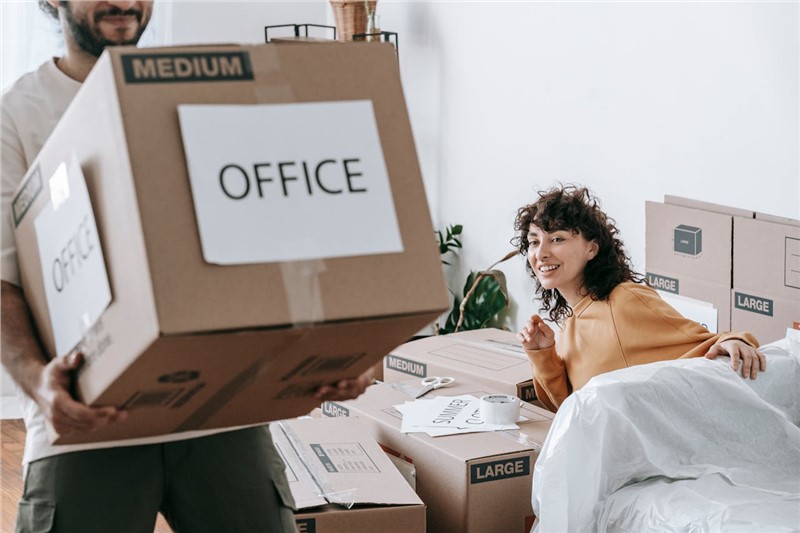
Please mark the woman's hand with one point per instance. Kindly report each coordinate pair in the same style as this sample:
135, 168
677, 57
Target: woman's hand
536, 335
750, 358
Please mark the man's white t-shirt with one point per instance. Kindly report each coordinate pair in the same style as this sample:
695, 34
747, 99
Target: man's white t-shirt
31, 108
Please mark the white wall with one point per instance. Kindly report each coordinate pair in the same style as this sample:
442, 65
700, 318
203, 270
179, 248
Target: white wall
633, 99
238, 22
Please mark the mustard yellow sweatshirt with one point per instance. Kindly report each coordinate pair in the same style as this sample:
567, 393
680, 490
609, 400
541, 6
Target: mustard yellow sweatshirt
633, 327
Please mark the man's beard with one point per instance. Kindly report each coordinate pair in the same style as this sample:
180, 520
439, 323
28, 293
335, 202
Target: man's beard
89, 39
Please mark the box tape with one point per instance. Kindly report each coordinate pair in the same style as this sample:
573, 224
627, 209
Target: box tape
500, 408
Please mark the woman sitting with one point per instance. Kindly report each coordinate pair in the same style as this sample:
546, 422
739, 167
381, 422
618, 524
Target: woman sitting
609, 318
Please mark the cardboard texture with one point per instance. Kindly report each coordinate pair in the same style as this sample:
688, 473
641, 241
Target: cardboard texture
341, 480
766, 285
491, 357
469, 482
689, 249
186, 344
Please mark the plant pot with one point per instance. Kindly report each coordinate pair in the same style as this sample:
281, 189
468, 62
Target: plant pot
351, 17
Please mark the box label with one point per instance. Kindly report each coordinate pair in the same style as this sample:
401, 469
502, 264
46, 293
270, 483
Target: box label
26, 195
288, 182
406, 366
792, 273
335, 410
73, 268
187, 67
345, 457
527, 393
496, 470
663, 283
688, 240
753, 304
306, 525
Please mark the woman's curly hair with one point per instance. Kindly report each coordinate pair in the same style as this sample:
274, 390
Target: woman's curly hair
576, 209
45, 6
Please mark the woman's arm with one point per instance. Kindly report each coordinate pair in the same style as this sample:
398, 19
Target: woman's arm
549, 374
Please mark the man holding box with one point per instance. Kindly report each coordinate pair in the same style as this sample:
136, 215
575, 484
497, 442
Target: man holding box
222, 480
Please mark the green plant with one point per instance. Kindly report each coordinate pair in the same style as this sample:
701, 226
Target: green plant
451, 242
485, 292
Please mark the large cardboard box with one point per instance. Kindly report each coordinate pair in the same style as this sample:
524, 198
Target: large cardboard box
766, 292
689, 246
490, 356
341, 480
232, 308
478, 482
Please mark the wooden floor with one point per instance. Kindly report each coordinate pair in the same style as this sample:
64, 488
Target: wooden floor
12, 443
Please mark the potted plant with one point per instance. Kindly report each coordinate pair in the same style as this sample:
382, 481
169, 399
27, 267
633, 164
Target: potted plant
485, 293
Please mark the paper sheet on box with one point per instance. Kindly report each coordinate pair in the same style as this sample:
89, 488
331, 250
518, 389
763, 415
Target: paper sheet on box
446, 415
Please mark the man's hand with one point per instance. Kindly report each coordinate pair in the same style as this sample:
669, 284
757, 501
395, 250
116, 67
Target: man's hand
750, 358
536, 335
64, 413
346, 389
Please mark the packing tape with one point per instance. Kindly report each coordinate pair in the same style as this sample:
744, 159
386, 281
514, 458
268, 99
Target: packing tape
500, 408
303, 290
271, 86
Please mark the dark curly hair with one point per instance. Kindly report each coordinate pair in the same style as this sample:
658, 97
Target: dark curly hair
576, 209
45, 6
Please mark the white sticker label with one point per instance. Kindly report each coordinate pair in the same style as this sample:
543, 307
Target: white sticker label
75, 278
288, 182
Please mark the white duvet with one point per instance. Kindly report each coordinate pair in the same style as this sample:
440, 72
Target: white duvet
682, 445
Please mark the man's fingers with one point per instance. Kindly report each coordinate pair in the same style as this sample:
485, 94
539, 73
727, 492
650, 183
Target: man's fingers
762, 361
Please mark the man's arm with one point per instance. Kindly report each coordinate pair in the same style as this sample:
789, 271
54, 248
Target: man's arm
47, 383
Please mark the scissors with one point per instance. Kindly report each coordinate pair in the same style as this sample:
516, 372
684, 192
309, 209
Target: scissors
433, 383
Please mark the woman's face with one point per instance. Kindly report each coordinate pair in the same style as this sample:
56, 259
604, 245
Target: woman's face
558, 260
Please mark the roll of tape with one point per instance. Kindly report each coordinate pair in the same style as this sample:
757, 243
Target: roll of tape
500, 409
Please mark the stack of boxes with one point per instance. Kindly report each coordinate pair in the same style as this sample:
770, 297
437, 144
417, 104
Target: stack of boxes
745, 264
474, 482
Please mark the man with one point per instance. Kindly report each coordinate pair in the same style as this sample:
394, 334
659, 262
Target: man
223, 480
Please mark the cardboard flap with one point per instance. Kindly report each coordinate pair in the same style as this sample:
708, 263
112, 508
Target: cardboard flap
335, 460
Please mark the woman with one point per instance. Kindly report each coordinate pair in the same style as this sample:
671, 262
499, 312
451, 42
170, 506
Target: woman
609, 318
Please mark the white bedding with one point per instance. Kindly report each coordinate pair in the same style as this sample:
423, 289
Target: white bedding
683, 445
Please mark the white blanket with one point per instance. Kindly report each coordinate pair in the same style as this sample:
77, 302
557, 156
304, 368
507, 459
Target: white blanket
683, 445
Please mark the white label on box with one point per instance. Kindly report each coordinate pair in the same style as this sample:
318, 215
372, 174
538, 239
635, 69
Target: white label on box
704, 313
288, 182
75, 278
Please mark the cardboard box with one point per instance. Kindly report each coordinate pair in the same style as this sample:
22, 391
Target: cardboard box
195, 335
470, 482
715, 294
342, 481
491, 357
689, 242
689, 247
766, 294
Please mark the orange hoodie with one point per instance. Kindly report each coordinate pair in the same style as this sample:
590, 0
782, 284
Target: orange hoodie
633, 327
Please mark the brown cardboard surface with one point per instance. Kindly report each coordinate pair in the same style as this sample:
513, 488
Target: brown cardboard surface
707, 206
232, 328
490, 356
717, 294
472, 482
358, 471
776, 219
703, 246
763, 314
766, 258
334, 519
